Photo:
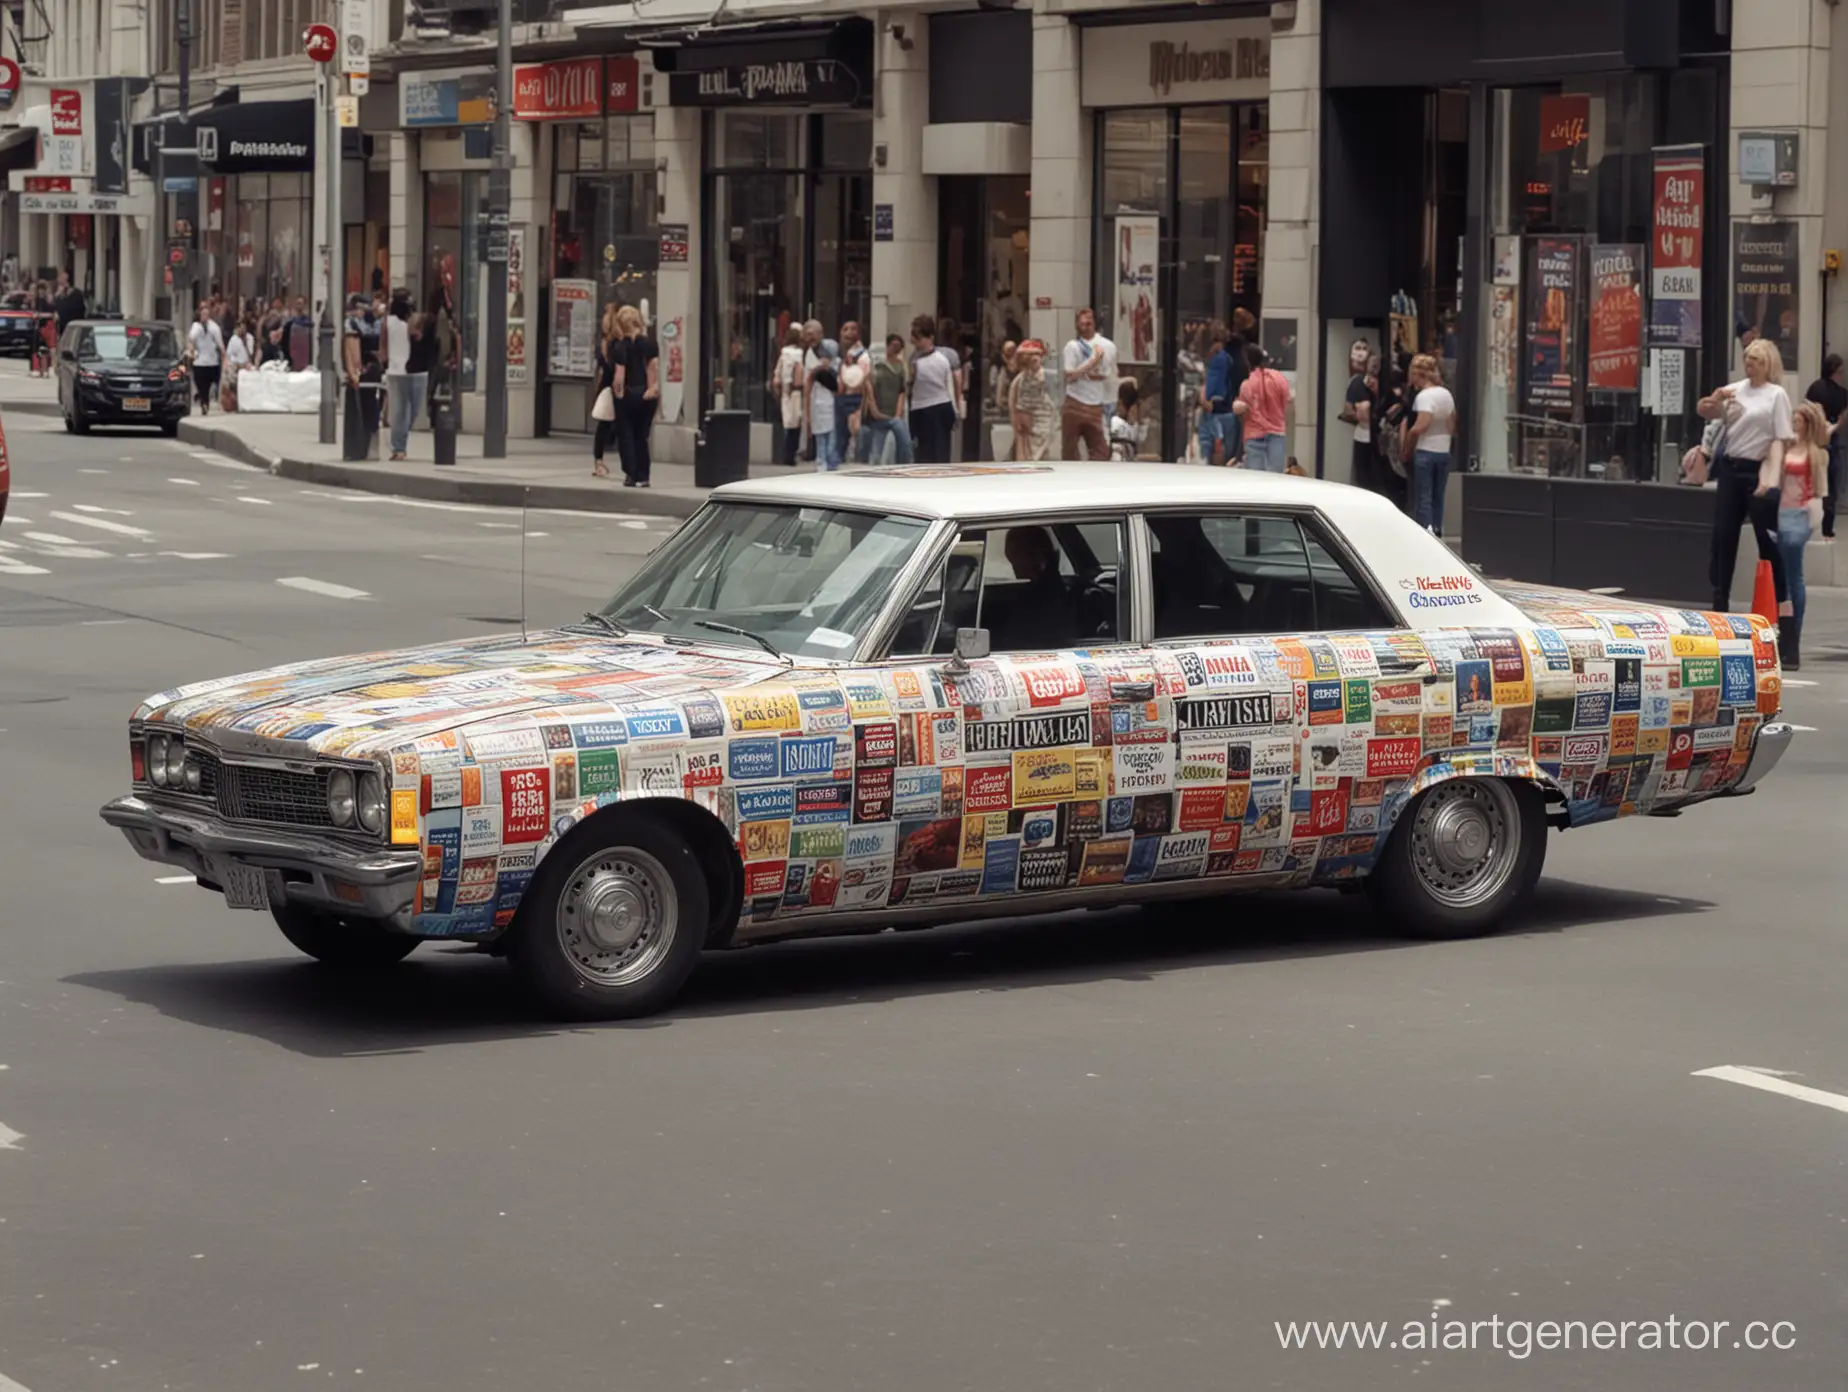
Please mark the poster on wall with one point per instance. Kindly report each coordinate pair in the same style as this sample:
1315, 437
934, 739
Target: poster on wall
1503, 337
1138, 252
1678, 225
574, 328
1615, 342
1765, 286
1552, 309
516, 305
1507, 265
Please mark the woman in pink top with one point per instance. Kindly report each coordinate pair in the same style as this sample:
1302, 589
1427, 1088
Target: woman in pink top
1263, 403
1799, 510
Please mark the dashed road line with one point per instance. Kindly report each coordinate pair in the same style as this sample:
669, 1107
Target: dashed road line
9, 566
173, 879
186, 483
93, 508
1766, 1081
92, 471
322, 587
260, 502
103, 524
198, 555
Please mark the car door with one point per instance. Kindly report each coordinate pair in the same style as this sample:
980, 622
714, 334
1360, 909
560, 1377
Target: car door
1301, 717
1015, 754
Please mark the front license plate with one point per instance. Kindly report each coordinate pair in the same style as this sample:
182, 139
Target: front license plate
245, 886
136, 403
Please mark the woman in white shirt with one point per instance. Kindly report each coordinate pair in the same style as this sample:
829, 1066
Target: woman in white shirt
1749, 468
788, 385
240, 353
1428, 441
208, 347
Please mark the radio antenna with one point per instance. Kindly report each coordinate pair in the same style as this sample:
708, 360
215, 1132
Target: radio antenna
523, 496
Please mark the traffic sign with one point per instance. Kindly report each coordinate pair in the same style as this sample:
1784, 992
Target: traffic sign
356, 60
346, 112
321, 42
9, 82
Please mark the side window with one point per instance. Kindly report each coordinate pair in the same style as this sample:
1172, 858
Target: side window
1233, 573
1035, 586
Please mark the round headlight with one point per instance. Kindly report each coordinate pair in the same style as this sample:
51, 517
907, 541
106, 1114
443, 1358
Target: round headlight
157, 760
372, 802
340, 797
176, 763
191, 775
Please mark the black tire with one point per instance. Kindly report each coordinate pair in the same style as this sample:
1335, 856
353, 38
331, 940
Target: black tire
70, 426
170, 428
347, 944
78, 422
624, 877
1409, 884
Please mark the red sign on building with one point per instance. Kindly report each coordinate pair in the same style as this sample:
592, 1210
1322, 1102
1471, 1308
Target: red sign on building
622, 84
42, 183
1565, 122
561, 91
66, 111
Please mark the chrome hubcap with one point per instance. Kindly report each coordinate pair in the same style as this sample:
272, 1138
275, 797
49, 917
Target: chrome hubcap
1465, 840
617, 916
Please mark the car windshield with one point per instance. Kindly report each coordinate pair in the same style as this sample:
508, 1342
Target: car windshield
807, 581
126, 343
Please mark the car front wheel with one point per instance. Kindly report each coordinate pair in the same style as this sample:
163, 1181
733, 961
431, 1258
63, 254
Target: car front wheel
1460, 856
615, 921
350, 944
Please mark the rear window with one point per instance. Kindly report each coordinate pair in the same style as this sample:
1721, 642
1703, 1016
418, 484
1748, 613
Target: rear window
127, 343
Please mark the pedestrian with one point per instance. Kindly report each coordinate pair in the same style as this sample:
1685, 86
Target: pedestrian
823, 386
811, 359
1030, 405
404, 384
1360, 404
1263, 406
1127, 428
1803, 494
1748, 468
882, 409
207, 342
1089, 362
45, 354
853, 370
1828, 392
1427, 441
787, 383
1219, 423
240, 354
67, 302
603, 408
362, 343
933, 392
639, 378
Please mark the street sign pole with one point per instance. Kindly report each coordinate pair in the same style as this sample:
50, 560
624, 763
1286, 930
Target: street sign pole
322, 44
500, 207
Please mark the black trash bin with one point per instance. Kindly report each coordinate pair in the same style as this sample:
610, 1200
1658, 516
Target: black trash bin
722, 454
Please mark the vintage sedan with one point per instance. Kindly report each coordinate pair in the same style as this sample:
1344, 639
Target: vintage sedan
893, 698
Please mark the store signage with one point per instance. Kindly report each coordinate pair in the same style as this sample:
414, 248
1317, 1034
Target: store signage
1677, 245
66, 111
320, 43
1187, 61
883, 230
355, 42
9, 83
1768, 159
123, 204
1552, 309
36, 183
673, 244
1615, 342
567, 90
1565, 122
462, 97
574, 328
789, 82
1765, 280
1138, 245
622, 79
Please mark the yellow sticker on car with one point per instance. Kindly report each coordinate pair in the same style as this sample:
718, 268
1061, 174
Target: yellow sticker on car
404, 817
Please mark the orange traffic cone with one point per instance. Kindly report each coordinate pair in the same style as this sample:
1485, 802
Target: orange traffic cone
1764, 594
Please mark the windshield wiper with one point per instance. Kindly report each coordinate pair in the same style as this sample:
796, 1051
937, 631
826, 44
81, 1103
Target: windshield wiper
756, 638
597, 616
650, 611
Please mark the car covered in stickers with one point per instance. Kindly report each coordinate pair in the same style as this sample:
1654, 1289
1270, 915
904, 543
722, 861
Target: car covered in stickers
893, 698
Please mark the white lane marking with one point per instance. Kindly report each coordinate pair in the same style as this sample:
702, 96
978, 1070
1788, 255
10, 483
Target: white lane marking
538, 534
22, 521
644, 517
32, 495
93, 508
188, 483
103, 623
634, 526
103, 524
9, 1139
92, 471
198, 555
64, 546
206, 457
9, 566
173, 879
1766, 1081
51, 538
321, 587
1798, 681
500, 526
260, 502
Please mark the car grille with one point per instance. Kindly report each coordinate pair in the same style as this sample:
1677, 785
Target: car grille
258, 793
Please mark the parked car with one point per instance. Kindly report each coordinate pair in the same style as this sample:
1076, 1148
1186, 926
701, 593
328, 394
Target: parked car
6, 475
19, 323
122, 372
896, 697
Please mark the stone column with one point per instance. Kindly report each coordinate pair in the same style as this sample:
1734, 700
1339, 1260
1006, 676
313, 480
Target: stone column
1293, 220
905, 268
406, 214
1060, 270
678, 166
528, 214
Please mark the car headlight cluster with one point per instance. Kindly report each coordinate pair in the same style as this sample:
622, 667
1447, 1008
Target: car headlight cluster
356, 800
167, 764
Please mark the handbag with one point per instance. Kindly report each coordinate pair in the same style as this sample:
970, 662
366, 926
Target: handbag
604, 408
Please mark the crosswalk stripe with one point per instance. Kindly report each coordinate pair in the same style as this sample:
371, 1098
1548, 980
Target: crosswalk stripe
9, 566
103, 524
322, 587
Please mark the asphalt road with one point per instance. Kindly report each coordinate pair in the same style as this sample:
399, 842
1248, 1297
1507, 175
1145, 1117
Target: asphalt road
1100, 1152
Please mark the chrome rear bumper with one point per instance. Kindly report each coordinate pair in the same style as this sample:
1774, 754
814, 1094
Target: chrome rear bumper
1768, 747
323, 871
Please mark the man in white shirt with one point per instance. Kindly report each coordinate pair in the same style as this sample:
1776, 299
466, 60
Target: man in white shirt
207, 341
1089, 363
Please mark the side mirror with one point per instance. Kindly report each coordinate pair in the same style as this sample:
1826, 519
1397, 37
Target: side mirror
971, 643
69, 355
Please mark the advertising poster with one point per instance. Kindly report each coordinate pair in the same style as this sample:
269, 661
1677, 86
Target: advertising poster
1138, 252
516, 304
574, 328
1679, 241
1503, 338
1615, 341
1552, 309
1765, 286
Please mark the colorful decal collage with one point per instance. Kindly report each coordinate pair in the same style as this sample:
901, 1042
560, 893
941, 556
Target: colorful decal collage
859, 789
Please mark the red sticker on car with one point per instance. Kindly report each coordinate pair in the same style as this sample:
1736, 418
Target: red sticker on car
526, 804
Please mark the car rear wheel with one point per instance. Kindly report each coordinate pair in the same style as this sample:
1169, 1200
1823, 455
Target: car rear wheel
170, 428
346, 943
1460, 856
77, 422
615, 921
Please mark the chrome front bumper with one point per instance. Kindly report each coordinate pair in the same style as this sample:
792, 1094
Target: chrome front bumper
1767, 748
322, 871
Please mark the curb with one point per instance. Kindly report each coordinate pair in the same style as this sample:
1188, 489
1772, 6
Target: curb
438, 487
31, 408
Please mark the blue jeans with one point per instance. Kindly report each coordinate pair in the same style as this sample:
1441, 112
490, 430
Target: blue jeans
844, 407
406, 391
1793, 534
1224, 427
1267, 452
870, 442
1429, 470
828, 452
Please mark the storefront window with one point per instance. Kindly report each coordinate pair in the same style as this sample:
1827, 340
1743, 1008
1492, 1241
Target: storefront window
604, 226
455, 225
272, 221
1570, 377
